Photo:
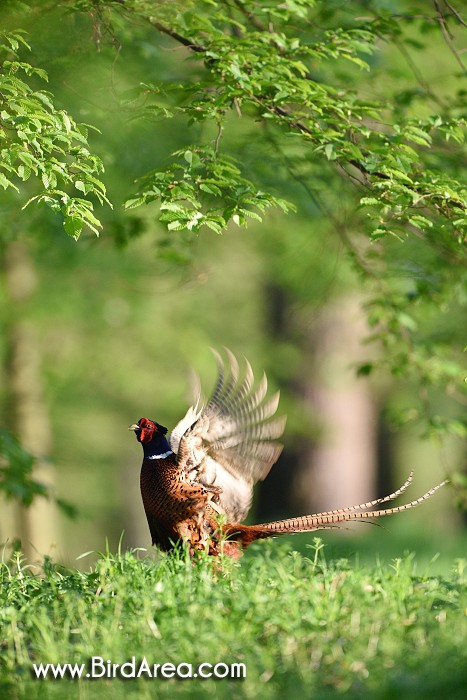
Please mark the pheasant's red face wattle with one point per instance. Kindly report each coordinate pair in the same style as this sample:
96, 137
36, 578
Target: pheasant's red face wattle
145, 428
146, 431
146, 434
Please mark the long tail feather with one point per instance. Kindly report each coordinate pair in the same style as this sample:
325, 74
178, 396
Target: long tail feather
325, 520
308, 523
361, 506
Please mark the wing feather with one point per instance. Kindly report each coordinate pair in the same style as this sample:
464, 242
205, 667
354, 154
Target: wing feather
231, 440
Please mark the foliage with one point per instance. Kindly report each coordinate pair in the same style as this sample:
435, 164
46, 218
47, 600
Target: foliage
38, 139
303, 626
274, 72
183, 189
16, 481
15, 471
299, 75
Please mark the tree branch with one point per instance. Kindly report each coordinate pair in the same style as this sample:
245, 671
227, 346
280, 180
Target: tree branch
178, 37
455, 13
280, 112
447, 36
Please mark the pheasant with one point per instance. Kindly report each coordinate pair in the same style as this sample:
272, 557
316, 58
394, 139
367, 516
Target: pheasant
197, 484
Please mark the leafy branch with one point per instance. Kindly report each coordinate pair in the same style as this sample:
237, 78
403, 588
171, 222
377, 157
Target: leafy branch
203, 189
16, 476
268, 72
37, 139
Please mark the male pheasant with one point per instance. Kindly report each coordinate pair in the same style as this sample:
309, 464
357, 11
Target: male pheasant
197, 485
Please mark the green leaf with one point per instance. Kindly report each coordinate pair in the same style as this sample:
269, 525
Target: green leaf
176, 225
368, 201
407, 321
365, 369
420, 221
135, 202
73, 226
24, 172
79, 184
5, 182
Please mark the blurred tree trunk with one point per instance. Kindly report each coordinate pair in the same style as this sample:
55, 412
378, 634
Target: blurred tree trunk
335, 462
27, 413
274, 497
341, 468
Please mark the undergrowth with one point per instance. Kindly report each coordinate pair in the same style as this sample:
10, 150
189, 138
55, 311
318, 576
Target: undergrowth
303, 626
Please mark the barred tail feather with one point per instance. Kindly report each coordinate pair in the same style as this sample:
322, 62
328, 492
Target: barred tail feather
362, 506
246, 534
308, 523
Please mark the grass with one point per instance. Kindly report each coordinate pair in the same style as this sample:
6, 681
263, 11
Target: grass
305, 626
436, 550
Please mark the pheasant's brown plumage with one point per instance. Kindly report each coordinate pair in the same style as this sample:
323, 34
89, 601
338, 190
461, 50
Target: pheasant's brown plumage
210, 464
169, 501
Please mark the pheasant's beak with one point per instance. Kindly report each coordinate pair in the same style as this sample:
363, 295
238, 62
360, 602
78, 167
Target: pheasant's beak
135, 427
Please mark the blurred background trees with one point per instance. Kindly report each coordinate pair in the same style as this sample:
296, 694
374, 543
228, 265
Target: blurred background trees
349, 115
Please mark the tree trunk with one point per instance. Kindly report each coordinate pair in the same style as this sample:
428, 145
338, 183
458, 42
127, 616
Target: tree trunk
27, 415
341, 467
335, 463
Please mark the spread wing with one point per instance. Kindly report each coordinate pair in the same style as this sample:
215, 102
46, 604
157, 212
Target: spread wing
230, 441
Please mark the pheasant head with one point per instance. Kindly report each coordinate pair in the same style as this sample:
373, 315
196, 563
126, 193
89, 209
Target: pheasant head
146, 429
152, 437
